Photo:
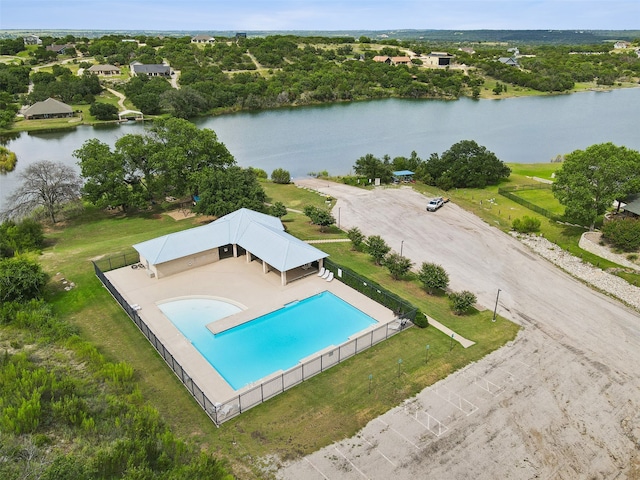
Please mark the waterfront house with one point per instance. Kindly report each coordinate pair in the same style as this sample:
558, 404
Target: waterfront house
50, 108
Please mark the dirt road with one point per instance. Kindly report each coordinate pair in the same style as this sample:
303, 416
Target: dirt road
561, 402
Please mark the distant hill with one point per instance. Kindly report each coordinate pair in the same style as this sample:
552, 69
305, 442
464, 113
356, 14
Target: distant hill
460, 36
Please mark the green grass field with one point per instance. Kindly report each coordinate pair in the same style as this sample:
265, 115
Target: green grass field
337, 403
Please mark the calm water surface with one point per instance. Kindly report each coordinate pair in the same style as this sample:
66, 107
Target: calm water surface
333, 137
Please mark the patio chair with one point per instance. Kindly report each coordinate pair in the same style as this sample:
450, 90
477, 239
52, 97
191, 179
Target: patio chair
330, 277
326, 273
321, 272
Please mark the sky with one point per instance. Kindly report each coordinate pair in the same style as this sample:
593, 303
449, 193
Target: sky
248, 15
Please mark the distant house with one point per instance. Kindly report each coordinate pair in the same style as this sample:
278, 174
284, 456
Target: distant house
468, 50
50, 108
401, 60
382, 59
509, 61
151, 70
203, 39
60, 49
438, 59
104, 70
621, 45
32, 40
241, 35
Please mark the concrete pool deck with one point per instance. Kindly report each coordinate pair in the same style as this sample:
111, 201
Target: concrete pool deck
230, 279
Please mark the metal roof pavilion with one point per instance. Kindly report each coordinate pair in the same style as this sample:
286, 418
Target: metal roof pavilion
260, 234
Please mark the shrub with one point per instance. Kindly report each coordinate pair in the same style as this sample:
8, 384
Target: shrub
103, 111
356, 237
8, 160
377, 248
278, 210
21, 279
526, 224
432, 277
280, 175
461, 302
623, 234
398, 265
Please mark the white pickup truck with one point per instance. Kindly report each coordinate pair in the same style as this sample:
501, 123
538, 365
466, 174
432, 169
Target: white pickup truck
436, 203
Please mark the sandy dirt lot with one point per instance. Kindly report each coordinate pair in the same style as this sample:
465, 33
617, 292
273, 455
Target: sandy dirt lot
560, 402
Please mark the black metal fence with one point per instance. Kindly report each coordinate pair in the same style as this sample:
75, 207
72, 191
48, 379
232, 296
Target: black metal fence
220, 412
393, 302
508, 192
117, 261
212, 409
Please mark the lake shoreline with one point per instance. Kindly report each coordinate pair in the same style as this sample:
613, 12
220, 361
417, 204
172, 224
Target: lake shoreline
60, 126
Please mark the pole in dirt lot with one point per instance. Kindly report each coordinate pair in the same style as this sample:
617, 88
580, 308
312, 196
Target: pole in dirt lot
401, 245
399, 365
495, 310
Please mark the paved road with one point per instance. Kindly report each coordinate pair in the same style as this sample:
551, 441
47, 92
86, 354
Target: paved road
561, 401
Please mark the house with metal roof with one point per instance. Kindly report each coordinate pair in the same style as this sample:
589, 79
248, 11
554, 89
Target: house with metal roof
203, 39
50, 108
151, 70
104, 70
254, 235
438, 59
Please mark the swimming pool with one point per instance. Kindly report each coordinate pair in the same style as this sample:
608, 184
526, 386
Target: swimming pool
273, 342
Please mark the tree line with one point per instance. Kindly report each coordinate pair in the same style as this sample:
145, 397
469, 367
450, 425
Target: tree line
306, 70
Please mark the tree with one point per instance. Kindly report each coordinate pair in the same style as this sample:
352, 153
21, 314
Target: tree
526, 224
103, 111
319, 216
466, 164
377, 248
184, 103
278, 209
223, 191
372, 168
15, 238
21, 279
461, 302
590, 180
323, 218
356, 237
280, 175
184, 152
107, 182
45, 184
398, 265
433, 276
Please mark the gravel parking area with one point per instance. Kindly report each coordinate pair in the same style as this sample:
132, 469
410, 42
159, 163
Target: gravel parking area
562, 401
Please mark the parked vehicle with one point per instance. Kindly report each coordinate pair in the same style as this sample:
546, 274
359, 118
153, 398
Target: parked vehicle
436, 203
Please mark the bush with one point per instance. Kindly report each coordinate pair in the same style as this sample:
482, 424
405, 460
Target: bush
461, 302
8, 160
526, 224
278, 210
356, 237
20, 280
433, 277
104, 111
623, 234
280, 175
421, 320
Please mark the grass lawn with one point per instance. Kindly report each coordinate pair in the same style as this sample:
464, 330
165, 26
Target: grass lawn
543, 198
328, 407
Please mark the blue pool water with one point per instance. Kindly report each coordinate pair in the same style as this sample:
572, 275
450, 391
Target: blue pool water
276, 341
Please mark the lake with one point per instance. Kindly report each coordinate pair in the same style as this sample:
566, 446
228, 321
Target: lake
333, 137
